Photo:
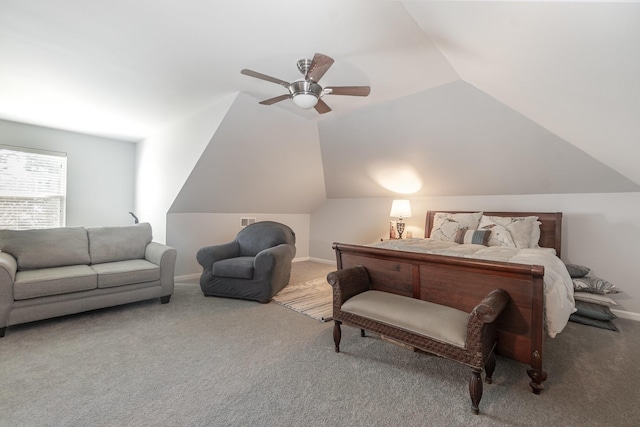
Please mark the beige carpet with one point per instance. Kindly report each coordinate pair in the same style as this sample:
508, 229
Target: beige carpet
313, 298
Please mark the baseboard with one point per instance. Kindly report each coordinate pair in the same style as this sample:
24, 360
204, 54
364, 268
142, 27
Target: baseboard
186, 277
626, 314
321, 260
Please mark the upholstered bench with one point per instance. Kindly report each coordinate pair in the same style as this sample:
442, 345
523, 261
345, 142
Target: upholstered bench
467, 338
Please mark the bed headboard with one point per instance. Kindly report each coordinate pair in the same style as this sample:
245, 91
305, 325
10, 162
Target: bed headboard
550, 229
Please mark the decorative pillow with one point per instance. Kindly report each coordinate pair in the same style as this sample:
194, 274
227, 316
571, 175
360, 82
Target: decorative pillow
510, 231
446, 225
576, 271
500, 236
594, 298
603, 324
594, 285
594, 311
476, 237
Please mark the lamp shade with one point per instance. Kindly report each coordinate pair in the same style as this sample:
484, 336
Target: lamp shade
400, 209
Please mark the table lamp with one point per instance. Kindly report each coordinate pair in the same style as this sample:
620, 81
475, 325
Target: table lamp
400, 209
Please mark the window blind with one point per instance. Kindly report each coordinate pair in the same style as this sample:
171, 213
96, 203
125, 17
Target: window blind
33, 186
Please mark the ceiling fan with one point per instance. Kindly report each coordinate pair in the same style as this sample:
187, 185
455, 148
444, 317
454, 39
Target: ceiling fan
306, 92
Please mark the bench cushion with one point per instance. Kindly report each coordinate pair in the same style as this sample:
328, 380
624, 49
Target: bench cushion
436, 321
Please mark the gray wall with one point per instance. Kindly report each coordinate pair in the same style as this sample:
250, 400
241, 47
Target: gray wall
100, 171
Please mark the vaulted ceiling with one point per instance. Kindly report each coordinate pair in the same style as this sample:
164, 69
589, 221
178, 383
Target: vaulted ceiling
545, 91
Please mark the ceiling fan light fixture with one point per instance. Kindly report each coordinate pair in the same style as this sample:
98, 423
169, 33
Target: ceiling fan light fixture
305, 100
305, 94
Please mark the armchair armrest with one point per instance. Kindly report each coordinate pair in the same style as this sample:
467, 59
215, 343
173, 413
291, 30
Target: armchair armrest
209, 254
266, 259
347, 283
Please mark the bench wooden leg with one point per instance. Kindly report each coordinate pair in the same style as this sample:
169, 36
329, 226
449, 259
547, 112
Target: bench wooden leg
489, 367
475, 389
362, 332
337, 335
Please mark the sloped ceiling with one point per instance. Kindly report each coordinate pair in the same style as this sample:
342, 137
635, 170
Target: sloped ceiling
481, 88
275, 170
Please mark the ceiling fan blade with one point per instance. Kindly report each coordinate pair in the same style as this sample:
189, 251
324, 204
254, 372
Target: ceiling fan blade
319, 65
274, 100
261, 76
321, 107
348, 90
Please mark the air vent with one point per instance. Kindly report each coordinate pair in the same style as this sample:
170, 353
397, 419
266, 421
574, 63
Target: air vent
247, 221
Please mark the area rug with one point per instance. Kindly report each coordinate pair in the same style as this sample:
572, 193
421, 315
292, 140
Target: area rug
313, 298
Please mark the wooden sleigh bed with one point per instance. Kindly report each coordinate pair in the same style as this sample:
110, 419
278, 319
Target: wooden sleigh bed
461, 282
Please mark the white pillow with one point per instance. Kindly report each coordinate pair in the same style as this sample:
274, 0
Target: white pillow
509, 231
446, 225
535, 235
500, 236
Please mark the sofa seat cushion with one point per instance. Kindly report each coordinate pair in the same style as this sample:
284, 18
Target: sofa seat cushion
45, 248
122, 273
239, 267
421, 317
53, 281
109, 244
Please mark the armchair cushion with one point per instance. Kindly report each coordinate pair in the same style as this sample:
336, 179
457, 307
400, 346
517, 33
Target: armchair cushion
238, 267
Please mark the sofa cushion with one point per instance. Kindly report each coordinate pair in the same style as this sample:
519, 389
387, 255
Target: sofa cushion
53, 281
109, 244
51, 247
122, 273
239, 267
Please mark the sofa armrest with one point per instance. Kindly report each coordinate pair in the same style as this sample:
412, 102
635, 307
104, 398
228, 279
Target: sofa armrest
209, 254
8, 269
347, 283
10, 266
165, 257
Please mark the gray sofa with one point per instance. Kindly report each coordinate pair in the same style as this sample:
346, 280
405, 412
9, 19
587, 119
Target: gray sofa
59, 271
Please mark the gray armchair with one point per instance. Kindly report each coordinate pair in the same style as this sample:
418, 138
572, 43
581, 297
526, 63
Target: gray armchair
254, 266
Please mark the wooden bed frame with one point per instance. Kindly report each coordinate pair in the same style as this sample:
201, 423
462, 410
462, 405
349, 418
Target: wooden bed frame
462, 282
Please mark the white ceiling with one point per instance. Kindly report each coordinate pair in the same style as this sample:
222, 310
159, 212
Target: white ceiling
127, 68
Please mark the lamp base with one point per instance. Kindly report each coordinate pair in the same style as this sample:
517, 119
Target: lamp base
400, 227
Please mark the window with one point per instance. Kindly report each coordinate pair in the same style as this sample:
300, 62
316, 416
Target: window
33, 187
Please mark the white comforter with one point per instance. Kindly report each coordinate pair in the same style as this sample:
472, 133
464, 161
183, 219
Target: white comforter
558, 287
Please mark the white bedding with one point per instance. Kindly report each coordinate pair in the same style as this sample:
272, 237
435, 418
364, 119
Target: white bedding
558, 287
